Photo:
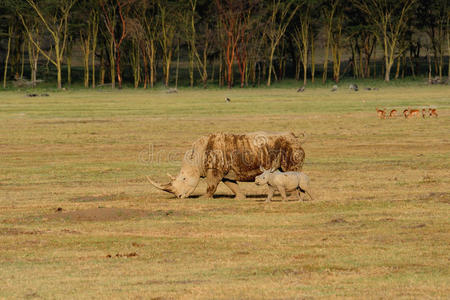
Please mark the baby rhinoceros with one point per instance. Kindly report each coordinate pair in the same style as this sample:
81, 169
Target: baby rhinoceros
283, 182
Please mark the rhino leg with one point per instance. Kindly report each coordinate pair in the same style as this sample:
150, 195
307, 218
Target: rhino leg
299, 194
270, 194
234, 187
213, 178
282, 192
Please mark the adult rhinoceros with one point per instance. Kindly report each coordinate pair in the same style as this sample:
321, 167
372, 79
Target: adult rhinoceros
234, 157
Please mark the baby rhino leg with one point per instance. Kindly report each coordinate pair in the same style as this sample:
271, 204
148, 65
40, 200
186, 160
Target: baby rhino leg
270, 194
282, 192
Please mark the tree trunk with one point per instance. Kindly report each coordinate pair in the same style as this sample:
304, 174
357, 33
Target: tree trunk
58, 70
94, 45
205, 70
191, 67
119, 72
313, 64
388, 70
412, 66
69, 69
112, 65
135, 62
5, 73
85, 43
305, 59
269, 75
22, 60
33, 56
102, 67
397, 71
152, 63
178, 66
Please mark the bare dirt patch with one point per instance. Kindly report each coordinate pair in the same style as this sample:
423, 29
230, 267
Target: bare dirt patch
73, 121
101, 198
132, 254
100, 214
338, 221
16, 231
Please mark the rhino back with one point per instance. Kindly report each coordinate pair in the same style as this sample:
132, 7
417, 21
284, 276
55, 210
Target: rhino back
239, 156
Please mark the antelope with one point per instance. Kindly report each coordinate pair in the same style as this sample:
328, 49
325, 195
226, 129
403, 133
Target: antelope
393, 113
433, 112
413, 113
381, 113
405, 113
423, 113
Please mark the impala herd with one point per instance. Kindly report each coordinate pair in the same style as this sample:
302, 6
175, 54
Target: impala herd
407, 113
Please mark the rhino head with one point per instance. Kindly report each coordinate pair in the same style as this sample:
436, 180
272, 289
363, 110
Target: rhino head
264, 177
184, 184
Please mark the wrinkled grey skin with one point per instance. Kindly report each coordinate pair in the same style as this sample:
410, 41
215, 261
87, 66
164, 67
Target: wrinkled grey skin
284, 182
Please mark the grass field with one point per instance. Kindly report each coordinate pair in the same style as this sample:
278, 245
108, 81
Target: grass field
79, 220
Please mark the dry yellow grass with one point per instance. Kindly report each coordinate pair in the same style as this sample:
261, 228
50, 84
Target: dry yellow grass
378, 228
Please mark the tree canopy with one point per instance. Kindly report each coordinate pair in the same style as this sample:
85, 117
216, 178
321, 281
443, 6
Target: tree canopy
224, 42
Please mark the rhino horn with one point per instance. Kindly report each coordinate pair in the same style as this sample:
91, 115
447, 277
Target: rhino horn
164, 187
170, 176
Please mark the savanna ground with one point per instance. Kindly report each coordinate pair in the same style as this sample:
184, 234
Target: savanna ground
79, 220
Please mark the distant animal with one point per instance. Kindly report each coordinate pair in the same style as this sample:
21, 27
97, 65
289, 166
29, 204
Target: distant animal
32, 95
172, 91
437, 80
393, 113
229, 158
353, 86
335, 88
300, 90
413, 113
375, 89
405, 113
283, 182
45, 95
227, 99
368, 89
433, 112
381, 113
424, 113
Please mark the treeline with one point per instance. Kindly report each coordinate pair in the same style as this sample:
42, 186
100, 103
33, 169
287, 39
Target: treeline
232, 42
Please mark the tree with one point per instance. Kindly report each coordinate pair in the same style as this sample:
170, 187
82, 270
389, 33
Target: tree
390, 17
230, 18
54, 16
281, 13
361, 34
247, 30
117, 29
11, 30
329, 15
199, 45
168, 29
150, 25
302, 36
431, 16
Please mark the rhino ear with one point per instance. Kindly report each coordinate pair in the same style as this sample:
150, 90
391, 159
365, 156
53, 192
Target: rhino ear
170, 176
273, 169
262, 169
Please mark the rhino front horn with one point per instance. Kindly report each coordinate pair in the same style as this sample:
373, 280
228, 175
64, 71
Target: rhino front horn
170, 176
164, 187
